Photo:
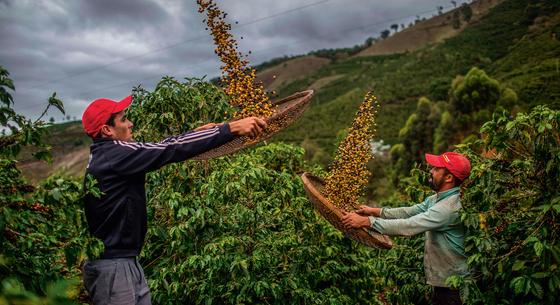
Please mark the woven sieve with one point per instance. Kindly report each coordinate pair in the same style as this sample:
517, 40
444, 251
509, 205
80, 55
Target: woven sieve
314, 188
288, 110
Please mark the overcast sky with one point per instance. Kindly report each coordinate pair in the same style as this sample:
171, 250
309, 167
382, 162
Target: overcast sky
87, 49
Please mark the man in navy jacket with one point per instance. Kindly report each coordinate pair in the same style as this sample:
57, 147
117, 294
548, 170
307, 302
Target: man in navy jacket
118, 217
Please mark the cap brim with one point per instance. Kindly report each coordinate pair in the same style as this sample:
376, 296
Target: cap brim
123, 104
434, 160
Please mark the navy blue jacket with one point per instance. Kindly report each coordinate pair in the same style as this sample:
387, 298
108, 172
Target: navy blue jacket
119, 218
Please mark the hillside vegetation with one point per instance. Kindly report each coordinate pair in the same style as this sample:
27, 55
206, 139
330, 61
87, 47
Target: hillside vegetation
69, 148
431, 31
516, 42
290, 70
239, 229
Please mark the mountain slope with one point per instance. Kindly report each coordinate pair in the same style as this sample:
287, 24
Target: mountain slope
290, 70
421, 34
70, 152
516, 42
431, 31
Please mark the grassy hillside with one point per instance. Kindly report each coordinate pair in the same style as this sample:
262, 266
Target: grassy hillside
290, 70
433, 30
415, 36
70, 152
515, 44
532, 65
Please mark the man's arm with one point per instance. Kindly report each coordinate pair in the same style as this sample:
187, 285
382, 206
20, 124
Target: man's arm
434, 218
393, 213
131, 158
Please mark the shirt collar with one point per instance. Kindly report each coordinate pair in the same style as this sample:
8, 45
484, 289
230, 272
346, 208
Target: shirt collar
450, 192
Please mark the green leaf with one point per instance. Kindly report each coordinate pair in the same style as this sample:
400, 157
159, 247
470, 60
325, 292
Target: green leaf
518, 284
538, 247
56, 194
540, 275
518, 265
536, 289
54, 101
531, 239
554, 283
44, 155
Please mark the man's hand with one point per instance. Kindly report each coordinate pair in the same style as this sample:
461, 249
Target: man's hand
365, 210
353, 220
207, 126
251, 126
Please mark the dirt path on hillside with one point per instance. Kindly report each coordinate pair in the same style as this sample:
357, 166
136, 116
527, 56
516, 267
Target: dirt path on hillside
73, 164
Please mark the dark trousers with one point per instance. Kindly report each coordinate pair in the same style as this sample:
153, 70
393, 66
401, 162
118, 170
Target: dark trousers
446, 296
116, 281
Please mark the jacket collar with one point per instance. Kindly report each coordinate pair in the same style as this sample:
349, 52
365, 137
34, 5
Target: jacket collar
101, 140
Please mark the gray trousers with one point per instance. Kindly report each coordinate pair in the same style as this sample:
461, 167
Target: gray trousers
446, 296
116, 281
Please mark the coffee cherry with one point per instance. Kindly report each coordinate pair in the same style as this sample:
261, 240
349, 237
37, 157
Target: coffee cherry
348, 176
246, 95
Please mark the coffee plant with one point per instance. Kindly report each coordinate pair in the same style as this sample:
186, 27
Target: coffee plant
42, 239
239, 229
512, 207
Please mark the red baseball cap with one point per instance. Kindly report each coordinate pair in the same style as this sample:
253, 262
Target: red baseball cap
456, 163
99, 111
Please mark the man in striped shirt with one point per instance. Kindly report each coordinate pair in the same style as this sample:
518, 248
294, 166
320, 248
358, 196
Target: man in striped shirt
118, 217
437, 217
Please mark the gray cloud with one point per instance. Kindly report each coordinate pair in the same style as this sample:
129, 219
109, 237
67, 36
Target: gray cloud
130, 12
87, 49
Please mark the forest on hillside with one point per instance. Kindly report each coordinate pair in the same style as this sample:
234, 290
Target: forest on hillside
515, 43
240, 229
